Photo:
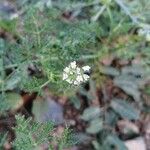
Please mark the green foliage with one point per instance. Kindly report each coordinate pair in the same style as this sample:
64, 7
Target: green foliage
48, 42
50, 37
65, 140
9, 26
27, 136
48, 46
32, 135
90, 113
124, 109
113, 140
3, 138
3, 105
103, 120
10, 101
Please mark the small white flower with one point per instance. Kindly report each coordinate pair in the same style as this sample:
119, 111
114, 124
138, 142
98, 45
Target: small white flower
65, 76
86, 77
76, 83
67, 70
71, 72
75, 75
78, 70
86, 68
79, 78
73, 65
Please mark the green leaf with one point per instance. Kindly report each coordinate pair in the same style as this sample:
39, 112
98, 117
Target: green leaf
92, 94
8, 25
3, 138
124, 109
113, 140
13, 81
27, 136
129, 84
135, 70
147, 90
95, 126
32, 135
111, 118
81, 137
91, 113
13, 101
76, 102
96, 145
110, 71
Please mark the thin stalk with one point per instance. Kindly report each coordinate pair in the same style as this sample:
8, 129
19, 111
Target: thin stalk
37, 31
46, 83
84, 57
82, 5
78, 6
110, 15
126, 10
98, 14
2, 71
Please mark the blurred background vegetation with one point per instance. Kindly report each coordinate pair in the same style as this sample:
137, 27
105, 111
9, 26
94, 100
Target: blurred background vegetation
39, 38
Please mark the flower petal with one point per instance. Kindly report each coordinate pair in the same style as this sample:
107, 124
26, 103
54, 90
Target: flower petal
86, 77
65, 76
78, 70
67, 70
86, 68
73, 65
76, 83
79, 78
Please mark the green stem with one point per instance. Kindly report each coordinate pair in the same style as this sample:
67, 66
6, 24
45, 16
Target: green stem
2, 71
37, 31
110, 15
98, 14
84, 57
79, 5
126, 10
46, 83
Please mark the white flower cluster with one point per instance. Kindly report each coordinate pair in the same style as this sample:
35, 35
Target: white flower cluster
75, 75
144, 32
